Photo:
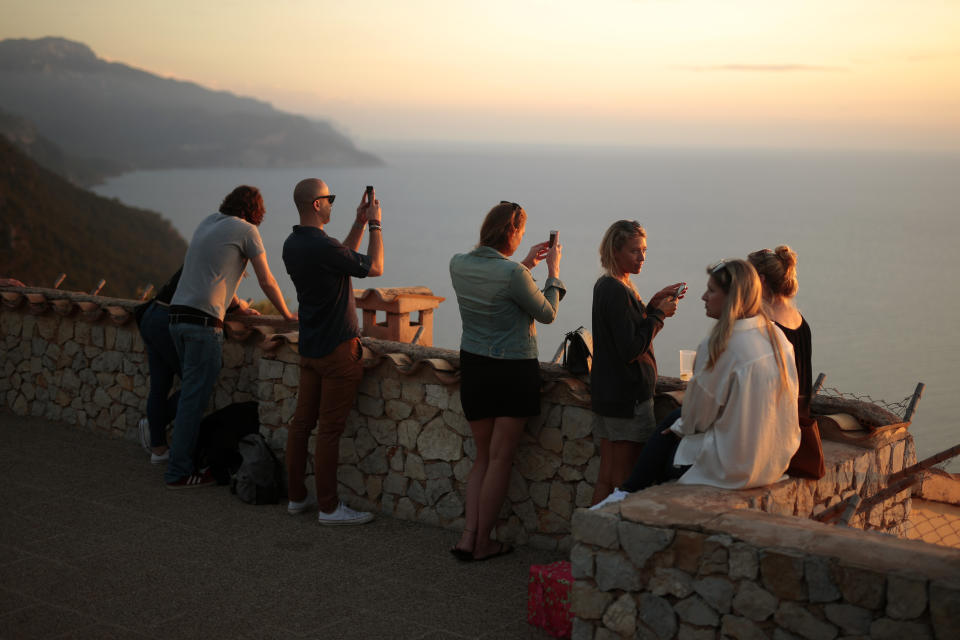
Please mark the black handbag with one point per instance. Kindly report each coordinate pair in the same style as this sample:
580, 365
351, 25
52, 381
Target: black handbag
578, 351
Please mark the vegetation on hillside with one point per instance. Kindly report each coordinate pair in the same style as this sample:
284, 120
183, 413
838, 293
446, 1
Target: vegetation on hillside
49, 226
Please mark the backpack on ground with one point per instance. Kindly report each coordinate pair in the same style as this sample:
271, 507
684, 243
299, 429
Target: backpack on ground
260, 478
220, 434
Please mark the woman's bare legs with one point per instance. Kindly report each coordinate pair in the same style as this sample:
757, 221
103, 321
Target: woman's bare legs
617, 459
502, 446
625, 456
482, 432
604, 485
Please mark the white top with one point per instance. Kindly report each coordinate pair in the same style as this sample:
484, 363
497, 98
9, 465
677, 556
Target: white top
737, 431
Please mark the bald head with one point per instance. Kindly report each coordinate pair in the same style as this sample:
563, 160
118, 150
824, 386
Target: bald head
307, 191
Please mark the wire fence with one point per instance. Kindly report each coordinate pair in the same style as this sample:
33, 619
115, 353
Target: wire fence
934, 522
905, 408
932, 515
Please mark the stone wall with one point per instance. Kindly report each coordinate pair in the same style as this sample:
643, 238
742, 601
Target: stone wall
94, 375
679, 562
407, 449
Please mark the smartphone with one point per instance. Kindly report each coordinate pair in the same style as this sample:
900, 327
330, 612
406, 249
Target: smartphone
553, 237
369, 194
682, 289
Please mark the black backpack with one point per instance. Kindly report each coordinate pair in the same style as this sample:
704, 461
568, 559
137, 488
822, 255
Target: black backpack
578, 351
220, 433
260, 478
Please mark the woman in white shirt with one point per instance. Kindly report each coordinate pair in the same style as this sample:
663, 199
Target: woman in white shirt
739, 426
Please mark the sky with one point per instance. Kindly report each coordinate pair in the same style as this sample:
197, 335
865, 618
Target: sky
741, 73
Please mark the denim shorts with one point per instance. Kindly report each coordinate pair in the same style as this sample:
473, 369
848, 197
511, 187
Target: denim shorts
639, 428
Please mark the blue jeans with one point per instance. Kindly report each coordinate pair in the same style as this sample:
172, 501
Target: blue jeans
164, 365
201, 356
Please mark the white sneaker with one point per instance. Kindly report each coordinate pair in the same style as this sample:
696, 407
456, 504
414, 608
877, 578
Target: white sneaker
343, 515
617, 496
295, 508
143, 428
160, 459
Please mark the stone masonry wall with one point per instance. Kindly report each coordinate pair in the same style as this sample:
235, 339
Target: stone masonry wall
674, 564
407, 449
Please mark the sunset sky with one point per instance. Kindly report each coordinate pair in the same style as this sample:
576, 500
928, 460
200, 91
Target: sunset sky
837, 73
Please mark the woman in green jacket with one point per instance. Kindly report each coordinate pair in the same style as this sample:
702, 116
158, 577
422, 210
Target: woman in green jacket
499, 367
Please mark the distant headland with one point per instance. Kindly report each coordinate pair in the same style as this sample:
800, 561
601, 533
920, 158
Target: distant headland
88, 118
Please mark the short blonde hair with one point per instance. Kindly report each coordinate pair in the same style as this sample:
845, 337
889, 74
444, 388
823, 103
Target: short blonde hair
613, 240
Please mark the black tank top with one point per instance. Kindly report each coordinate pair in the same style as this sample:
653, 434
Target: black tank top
800, 338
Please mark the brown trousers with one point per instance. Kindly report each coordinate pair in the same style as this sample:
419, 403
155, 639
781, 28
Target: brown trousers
328, 389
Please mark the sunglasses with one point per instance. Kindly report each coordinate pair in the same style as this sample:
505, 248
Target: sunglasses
513, 204
718, 267
329, 198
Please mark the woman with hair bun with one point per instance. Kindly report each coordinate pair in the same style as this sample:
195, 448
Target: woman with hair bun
499, 364
778, 274
739, 426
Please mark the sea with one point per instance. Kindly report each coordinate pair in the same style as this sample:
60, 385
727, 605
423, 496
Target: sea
876, 234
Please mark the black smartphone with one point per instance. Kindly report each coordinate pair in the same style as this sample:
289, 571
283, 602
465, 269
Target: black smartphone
369, 194
553, 237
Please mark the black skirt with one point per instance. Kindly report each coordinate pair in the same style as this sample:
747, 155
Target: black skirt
494, 387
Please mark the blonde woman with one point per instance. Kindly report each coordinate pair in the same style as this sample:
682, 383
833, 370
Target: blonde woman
624, 371
778, 275
739, 426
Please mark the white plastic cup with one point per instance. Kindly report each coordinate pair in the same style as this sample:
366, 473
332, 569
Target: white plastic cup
686, 363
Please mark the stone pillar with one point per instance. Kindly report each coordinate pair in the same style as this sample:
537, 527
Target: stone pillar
399, 304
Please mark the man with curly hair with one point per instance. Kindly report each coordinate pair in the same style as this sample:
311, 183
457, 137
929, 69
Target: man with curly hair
218, 254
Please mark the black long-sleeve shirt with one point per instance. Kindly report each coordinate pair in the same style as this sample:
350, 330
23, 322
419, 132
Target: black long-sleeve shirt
623, 329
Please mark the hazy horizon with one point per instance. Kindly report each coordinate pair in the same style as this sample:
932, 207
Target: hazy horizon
654, 73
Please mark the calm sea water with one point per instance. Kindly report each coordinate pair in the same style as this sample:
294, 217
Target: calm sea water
876, 236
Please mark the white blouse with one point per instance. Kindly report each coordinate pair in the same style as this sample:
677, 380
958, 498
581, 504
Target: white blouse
737, 431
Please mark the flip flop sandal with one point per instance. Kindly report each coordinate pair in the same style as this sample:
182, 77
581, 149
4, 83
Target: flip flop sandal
503, 550
462, 554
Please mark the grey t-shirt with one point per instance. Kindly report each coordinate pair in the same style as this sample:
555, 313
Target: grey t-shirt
215, 261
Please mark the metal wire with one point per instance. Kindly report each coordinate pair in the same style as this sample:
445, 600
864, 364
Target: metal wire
899, 408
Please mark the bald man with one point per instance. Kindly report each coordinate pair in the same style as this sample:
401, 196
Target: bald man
330, 351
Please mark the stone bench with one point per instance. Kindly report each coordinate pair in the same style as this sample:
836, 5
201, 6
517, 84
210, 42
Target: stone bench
698, 562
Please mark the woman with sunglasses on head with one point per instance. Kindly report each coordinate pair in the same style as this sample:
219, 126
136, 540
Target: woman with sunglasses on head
739, 426
624, 371
499, 365
778, 275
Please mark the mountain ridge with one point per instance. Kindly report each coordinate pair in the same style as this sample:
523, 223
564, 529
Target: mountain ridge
128, 118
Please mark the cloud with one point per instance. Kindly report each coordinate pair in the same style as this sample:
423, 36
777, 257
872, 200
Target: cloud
763, 68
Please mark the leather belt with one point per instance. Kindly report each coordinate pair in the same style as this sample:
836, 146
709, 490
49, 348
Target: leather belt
203, 321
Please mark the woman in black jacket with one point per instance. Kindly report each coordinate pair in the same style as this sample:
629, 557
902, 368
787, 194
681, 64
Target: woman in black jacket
624, 371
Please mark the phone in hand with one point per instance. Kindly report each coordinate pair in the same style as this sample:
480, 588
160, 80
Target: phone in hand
682, 289
553, 237
369, 194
